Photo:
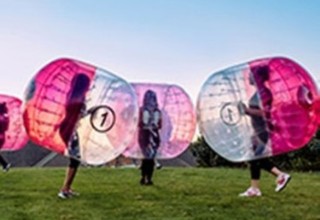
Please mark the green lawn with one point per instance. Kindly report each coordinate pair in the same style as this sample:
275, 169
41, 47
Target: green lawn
189, 193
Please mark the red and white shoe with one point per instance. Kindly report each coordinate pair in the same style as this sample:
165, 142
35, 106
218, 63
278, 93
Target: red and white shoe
282, 181
251, 192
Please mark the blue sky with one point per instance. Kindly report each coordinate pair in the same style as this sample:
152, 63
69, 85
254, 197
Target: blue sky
173, 41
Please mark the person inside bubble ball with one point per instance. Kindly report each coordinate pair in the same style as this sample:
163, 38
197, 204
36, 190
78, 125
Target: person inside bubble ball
75, 109
148, 135
4, 125
262, 126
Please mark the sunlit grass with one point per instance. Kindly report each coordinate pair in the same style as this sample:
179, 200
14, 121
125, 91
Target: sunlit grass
184, 193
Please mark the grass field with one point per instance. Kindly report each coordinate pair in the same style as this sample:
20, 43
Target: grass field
178, 193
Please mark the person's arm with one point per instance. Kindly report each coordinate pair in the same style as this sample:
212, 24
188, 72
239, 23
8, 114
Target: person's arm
145, 119
158, 120
84, 112
254, 112
250, 111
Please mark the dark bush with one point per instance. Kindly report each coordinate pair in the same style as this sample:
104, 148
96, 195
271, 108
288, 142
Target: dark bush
206, 157
305, 159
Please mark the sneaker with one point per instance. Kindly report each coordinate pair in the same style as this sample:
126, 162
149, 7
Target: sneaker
67, 194
251, 192
282, 181
64, 195
7, 167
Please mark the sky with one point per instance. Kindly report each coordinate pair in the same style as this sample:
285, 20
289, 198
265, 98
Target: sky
161, 41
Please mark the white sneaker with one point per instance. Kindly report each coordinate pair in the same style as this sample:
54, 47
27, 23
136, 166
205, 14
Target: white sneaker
67, 194
251, 192
282, 181
63, 195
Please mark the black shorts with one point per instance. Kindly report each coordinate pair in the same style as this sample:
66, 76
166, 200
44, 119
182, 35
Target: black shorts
74, 163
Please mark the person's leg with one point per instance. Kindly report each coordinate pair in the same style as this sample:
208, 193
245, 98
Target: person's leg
3, 162
71, 172
282, 177
144, 171
255, 172
267, 165
70, 175
150, 171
